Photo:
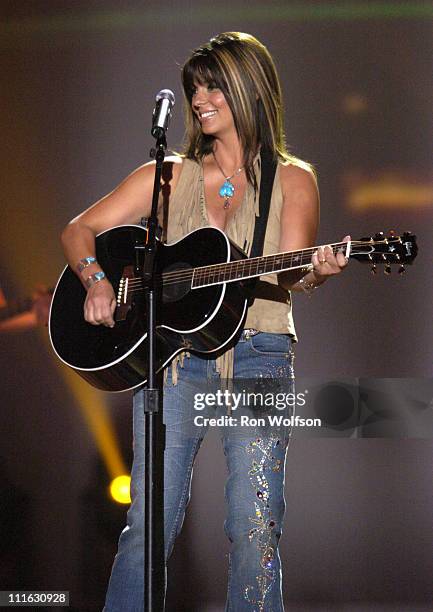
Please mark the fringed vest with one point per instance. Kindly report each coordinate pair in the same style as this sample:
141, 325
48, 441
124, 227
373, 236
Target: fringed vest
185, 210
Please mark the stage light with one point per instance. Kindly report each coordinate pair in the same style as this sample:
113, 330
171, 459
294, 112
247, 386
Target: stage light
355, 104
392, 189
120, 489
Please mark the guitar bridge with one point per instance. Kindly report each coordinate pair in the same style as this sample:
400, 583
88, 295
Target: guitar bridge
123, 298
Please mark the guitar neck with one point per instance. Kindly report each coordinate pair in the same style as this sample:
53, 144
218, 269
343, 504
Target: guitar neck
254, 267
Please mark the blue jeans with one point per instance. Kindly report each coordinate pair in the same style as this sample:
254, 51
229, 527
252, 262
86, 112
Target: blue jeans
255, 486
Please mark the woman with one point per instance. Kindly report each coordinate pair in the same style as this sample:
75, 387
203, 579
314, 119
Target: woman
233, 113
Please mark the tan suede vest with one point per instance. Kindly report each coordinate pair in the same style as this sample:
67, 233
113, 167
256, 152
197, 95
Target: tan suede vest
186, 211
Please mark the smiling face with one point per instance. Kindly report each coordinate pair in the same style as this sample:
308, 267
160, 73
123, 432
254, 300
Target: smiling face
210, 107
231, 83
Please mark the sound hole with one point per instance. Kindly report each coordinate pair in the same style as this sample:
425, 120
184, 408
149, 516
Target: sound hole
174, 289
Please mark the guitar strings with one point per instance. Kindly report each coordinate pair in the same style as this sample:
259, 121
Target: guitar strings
219, 268
204, 272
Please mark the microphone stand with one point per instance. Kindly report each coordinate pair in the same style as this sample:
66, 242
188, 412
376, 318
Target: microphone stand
154, 431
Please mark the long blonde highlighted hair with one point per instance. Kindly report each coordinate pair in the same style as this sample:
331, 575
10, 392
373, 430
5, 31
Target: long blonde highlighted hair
242, 67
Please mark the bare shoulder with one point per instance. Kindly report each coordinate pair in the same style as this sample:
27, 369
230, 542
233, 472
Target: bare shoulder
297, 175
176, 161
300, 207
172, 167
131, 199
138, 185
299, 187
173, 164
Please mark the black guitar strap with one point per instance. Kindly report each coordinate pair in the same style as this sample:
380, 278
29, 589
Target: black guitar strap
269, 167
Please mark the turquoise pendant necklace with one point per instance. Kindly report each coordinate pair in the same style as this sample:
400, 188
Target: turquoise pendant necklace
227, 189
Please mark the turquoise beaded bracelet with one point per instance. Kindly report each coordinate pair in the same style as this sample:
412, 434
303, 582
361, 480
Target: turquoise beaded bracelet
85, 263
94, 278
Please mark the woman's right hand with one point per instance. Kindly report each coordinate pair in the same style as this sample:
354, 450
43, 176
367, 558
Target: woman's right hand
100, 304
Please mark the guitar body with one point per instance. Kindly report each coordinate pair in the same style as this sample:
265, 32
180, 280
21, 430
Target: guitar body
205, 320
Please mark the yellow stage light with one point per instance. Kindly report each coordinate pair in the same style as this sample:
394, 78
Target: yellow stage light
388, 190
120, 489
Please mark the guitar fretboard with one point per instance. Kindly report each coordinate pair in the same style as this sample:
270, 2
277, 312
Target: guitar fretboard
256, 266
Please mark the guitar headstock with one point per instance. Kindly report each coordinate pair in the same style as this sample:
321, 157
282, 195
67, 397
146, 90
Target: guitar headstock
387, 250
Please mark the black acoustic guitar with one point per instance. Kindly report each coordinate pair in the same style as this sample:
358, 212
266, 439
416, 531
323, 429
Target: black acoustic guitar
204, 282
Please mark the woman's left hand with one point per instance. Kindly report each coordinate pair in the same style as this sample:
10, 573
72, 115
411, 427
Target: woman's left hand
326, 263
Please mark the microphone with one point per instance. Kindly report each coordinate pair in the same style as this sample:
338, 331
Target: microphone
162, 112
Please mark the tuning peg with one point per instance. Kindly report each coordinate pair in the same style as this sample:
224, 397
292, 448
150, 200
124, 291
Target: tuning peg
373, 268
387, 269
401, 269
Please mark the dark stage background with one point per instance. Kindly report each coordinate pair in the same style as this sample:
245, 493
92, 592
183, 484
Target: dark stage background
78, 85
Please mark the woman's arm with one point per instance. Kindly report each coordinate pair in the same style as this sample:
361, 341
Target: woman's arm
130, 201
299, 226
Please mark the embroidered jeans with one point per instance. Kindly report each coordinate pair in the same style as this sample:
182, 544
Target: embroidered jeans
255, 454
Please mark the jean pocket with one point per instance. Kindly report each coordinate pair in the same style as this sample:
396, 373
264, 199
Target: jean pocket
271, 345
